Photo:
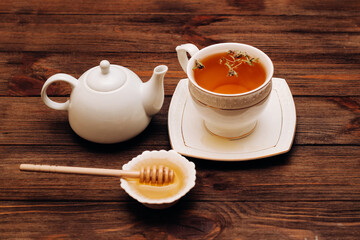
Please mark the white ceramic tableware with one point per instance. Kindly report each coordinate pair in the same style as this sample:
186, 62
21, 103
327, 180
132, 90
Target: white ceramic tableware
109, 103
273, 135
227, 115
164, 196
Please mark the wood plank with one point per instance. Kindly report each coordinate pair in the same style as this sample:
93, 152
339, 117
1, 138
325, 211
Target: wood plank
328, 74
303, 7
307, 173
331, 120
310, 193
27, 72
125, 33
31, 122
195, 220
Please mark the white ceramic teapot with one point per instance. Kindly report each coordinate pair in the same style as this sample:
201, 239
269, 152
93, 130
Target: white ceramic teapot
109, 103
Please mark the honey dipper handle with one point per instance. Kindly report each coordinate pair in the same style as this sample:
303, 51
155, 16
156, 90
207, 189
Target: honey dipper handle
79, 170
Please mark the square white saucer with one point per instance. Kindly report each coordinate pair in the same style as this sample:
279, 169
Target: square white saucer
273, 135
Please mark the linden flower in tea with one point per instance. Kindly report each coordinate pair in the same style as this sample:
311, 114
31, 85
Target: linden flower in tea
236, 58
229, 72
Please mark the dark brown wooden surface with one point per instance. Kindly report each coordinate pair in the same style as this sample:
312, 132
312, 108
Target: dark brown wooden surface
312, 192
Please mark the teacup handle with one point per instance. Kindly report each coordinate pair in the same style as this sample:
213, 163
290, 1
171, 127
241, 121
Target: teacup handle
57, 77
182, 51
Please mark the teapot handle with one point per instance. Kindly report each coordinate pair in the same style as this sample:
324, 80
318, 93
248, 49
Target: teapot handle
182, 51
57, 77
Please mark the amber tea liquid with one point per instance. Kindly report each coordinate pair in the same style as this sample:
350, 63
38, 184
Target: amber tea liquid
215, 75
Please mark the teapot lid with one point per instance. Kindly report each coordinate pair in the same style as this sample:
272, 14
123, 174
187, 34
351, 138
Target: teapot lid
106, 78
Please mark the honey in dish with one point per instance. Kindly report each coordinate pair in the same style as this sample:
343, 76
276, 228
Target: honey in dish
222, 73
155, 191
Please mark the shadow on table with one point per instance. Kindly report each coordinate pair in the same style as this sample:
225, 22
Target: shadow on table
184, 220
154, 137
263, 163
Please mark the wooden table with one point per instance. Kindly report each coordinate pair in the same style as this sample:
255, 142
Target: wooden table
311, 192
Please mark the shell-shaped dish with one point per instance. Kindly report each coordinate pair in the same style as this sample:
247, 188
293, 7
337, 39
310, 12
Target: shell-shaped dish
159, 197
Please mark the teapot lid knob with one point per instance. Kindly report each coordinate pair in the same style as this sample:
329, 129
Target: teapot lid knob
106, 77
105, 66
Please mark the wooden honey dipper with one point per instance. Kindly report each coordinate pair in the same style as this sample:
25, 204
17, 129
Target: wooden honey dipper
156, 174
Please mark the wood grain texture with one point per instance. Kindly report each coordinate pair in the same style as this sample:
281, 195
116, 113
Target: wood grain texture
323, 59
306, 74
307, 173
92, 7
309, 193
162, 33
197, 220
321, 120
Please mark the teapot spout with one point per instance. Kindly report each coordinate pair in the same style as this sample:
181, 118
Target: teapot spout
153, 91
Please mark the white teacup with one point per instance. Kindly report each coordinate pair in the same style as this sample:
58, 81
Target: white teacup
227, 115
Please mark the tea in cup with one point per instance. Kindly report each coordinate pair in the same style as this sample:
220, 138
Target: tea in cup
229, 85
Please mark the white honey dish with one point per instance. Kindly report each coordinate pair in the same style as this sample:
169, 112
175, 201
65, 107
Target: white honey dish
170, 159
227, 115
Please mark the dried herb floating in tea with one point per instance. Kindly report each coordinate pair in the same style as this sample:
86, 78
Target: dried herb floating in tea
235, 59
198, 65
